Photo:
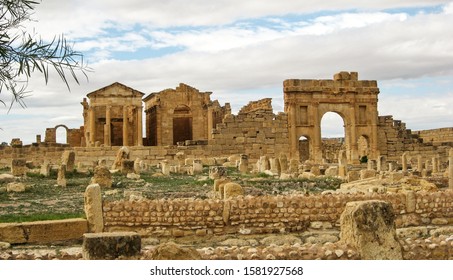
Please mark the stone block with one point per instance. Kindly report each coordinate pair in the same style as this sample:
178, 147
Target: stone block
102, 176
16, 187
18, 167
43, 231
232, 190
110, 245
367, 173
93, 208
369, 228
127, 166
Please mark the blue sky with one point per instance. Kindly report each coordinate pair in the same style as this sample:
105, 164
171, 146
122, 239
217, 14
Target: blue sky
243, 50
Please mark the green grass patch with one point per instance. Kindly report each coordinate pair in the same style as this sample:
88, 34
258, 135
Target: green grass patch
9, 218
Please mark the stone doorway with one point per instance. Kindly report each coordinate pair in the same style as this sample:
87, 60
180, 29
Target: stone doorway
182, 124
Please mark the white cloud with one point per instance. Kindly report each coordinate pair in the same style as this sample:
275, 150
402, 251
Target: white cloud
232, 58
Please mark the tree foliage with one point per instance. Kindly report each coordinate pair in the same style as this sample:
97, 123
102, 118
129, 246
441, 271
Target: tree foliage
22, 53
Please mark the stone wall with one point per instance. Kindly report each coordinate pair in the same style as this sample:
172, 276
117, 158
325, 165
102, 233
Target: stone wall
394, 139
265, 214
257, 133
436, 136
35, 153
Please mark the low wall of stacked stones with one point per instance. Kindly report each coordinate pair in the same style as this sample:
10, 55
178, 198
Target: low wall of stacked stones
265, 214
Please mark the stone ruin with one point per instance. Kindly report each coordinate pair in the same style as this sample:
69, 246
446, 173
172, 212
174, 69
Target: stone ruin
379, 159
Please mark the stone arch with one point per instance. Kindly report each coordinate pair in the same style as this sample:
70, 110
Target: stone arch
330, 146
66, 129
363, 146
306, 101
182, 124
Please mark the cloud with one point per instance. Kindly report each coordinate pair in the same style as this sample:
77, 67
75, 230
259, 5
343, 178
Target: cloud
243, 51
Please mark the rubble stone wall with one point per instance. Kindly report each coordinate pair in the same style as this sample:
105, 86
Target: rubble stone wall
265, 214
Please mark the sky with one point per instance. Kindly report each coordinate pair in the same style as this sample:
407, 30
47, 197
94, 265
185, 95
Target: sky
243, 51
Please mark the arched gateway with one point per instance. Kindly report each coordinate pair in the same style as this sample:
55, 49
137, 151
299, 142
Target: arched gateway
306, 101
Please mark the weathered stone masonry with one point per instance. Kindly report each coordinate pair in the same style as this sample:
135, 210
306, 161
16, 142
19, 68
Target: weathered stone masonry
266, 214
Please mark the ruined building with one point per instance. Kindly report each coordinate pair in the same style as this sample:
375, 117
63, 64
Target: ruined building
186, 120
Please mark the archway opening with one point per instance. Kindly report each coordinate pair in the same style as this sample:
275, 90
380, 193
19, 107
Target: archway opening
182, 124
363, 145
304, 149
61, 135
333, 136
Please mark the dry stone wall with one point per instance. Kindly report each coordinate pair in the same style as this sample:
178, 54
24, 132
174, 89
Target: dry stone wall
266, 214
436, 136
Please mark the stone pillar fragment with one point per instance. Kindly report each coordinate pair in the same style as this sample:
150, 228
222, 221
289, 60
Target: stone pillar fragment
102, 177
18, 167
275, 166
68, 159
45, 169
283, 163
369, 228
244, 164
197, 166
93, 208
217, 172
165, 166
404, 162
419, 164
61, 177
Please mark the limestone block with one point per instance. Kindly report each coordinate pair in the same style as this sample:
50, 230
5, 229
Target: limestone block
315, 170
332, 171
307, 175
110, 245
263, 164
165, 166
369, 228
45, 169
244, 164
68, 159
133, 176
367, 173
123, 153
93, 208
137, 166
217, 172
102, 177
127, 166
232, 190
172, 251
18, 167
43, 231
353, 176
61, 177
283, 163
197, 166
16, 187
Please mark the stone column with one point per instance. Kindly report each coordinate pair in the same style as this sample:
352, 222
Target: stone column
293, 131
125, 126
139, 126
434, 163
450, 169
404, 162
107, 126
353, 153
317, 141
419, 164
92, 115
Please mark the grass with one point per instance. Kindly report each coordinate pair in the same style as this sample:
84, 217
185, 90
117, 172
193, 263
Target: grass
43, 200
9, 218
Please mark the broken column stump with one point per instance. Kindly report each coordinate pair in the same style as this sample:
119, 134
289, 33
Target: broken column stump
110, 245
369, 228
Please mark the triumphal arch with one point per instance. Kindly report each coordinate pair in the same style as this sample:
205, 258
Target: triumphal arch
306, 102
